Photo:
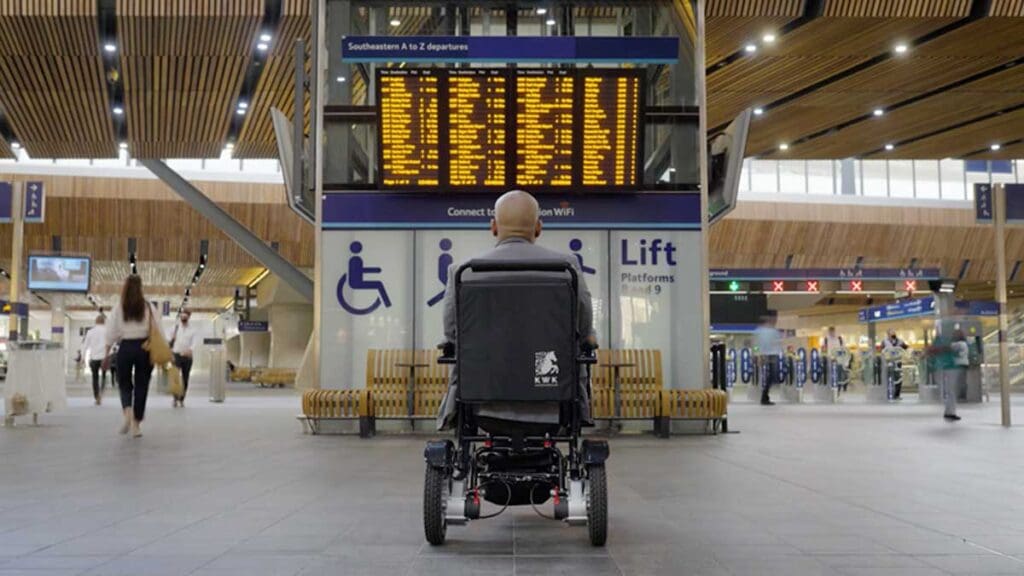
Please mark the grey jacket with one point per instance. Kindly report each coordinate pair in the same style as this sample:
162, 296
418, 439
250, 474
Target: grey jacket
514, 249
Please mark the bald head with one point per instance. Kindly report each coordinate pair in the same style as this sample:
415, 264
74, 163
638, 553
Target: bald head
516, 215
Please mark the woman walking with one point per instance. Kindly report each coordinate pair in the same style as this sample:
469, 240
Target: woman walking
129, 325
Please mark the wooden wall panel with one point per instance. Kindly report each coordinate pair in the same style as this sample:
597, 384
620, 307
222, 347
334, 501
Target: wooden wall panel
52, 88
183, 65
1007, 8
149, 188
276, 86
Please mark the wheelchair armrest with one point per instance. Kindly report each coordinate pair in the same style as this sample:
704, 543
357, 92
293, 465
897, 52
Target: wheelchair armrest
447, 353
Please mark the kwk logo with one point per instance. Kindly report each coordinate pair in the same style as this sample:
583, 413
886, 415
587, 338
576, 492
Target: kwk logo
545, 369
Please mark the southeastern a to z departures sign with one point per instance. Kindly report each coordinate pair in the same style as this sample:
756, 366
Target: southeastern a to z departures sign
537, 129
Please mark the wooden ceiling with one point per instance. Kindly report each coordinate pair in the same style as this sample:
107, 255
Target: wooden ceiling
181, 68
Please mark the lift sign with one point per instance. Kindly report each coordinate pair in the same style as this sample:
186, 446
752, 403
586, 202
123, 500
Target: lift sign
801, 367
815, 366
730, 368
746, 367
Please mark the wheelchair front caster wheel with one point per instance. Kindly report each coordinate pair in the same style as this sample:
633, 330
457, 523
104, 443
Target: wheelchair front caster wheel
435, 490
597, 505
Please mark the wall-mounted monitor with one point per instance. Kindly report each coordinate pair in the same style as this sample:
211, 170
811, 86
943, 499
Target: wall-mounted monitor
725, 164
59, 273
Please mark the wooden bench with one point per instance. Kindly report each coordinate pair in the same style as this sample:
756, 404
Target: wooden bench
709, 405
640, 385
388, 383
338, 405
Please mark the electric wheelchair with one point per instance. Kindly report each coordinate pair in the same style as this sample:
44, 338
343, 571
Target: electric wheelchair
517, 351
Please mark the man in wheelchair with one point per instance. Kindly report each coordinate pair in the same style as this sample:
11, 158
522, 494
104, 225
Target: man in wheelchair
519, 334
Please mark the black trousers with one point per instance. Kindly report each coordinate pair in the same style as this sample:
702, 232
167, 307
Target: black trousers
134, 371
769, 375
184, 363
95, 366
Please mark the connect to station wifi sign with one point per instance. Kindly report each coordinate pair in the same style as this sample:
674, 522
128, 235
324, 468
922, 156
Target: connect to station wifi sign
537, 129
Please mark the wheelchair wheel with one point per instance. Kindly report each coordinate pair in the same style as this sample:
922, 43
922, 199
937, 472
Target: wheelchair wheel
597, 506
435, 489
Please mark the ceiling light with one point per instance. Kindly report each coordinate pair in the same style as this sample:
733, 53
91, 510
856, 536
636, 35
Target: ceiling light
265, 37
878, 112
340, 79
123, 145
783, 146
110, 47
396, 22
118, 110
243, 105
758, 111
15, 145
229, 146
889, 147
996, 147
768, 38
900, 48
551, 22
750, 48
240, 111
262, 46
542, 11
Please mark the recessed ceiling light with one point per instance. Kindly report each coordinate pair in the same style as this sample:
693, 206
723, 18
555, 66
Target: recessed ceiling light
396, 22
750, 48
551, 22
783, 146
889, 147
878, 112
996, 146
262, 46
110, 47
240, 111
768, 38
542, 11
123, 145
340, 79
758, 111
243, 105
900, 48
265, 37
15, 145
118, 110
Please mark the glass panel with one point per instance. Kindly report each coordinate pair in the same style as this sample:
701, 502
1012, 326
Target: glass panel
926, 174
792, 177
764, 177
819, 177
873, 182
901, 178
952, 179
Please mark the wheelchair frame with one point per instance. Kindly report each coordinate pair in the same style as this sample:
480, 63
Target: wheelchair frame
458, 474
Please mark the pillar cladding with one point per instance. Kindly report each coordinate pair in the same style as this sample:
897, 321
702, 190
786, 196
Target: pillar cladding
57, 318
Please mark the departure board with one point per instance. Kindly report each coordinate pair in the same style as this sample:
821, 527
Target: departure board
497, 128
476, 127
544, 128
409, 128
611, 130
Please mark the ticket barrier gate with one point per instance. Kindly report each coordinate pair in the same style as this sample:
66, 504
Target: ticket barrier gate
835, 376
887, 368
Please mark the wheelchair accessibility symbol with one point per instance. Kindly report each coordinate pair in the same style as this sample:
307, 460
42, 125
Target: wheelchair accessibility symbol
357, 281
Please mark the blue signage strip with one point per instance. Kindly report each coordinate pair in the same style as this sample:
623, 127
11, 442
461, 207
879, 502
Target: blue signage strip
35, 202
924, 307
767, 274
252, 326
983, 203
554, 49
997, 166
19, 308
410, 210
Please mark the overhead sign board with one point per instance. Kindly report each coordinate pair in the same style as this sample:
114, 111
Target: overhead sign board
805, 274
924, 307
984, 200
253, 326
548, 49
34, 206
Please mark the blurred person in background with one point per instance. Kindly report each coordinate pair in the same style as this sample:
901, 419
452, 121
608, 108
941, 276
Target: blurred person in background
768, 343
183, 344
94, 346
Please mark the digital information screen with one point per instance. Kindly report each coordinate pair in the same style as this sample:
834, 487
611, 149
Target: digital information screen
476, 128
409, 128
611, 130
544, 128
537, 129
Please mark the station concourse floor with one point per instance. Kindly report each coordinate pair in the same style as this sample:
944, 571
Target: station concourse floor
236, 489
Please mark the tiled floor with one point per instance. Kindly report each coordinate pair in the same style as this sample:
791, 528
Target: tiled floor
236, 489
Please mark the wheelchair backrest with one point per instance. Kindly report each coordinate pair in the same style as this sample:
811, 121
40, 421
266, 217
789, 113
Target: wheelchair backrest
516, 331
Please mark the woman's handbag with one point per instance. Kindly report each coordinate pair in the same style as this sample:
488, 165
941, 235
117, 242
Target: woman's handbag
174, 385
156, 344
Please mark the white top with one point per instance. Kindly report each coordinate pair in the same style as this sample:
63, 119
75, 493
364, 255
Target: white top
118, 329
95, 342
833, 343
185, 338
961, 353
